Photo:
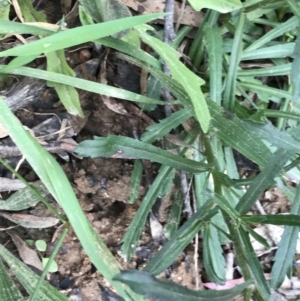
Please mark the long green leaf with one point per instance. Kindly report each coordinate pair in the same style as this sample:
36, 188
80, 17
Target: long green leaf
22, 28
284, 219
83, 84
277, 51
214, 50
295, 71
53, 177
268, 71
222, 6
189, 80
78, 35
147, 285
230, 83
125, 147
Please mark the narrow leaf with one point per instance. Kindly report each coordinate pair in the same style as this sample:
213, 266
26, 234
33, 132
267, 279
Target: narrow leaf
189, 80
78, 35
147, 285
281, 219
124, 147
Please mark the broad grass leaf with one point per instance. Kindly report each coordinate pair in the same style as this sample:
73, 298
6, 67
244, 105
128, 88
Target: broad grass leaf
147, 285
128, 148
222, 6
236, 52
295, 72
83, 84
78, 35
179, 72
277, 31
277, 51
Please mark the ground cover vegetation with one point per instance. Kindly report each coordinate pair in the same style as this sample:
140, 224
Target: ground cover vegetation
235, 88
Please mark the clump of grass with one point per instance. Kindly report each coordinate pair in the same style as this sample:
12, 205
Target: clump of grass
230, 110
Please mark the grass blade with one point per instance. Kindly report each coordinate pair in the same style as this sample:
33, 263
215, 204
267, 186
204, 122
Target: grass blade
78, 35
230, 83
83, 84
147, 285
57, 183
125, 147
190, 81
214, 50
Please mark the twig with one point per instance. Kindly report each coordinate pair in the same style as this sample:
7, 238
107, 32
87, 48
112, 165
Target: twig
169, 35
55, 147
